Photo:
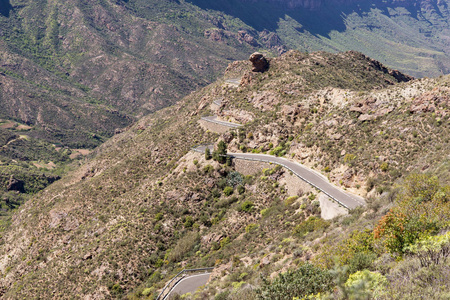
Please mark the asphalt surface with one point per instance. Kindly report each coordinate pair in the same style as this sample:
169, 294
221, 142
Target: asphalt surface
190, 284
233, 81
310, 176
217, 102
214, 119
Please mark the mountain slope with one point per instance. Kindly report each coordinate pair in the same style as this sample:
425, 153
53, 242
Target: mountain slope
411, 36
138, 210
114, 60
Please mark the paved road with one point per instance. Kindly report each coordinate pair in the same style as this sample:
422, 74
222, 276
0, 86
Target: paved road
213, 119
233, 81
310, 176
218, 102
190, 284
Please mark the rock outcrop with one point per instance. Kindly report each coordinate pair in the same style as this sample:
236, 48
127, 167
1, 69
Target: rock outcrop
260, 63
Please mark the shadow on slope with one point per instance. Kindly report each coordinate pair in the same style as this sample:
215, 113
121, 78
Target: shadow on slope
5, 7
266, 15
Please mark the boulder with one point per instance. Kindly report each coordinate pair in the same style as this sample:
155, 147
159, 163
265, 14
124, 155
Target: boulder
260, 63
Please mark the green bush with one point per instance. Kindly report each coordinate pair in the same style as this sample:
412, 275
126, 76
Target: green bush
189, 221
234, 179
310, 225
159, 216
208, 169
251, 227
228, 190
240, 189
208, 154
290, 200
295, 284
224, 242
366, 285
247, 206
423, 208
222, 296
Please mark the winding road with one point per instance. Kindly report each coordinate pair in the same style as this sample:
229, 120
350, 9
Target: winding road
189, 284
312, 177
214, 119
233, 81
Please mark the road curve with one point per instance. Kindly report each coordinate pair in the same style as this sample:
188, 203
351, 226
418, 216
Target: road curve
189, 284
213, 119
233, 81
310, 176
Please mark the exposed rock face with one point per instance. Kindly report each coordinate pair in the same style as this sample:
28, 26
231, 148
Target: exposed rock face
260, 63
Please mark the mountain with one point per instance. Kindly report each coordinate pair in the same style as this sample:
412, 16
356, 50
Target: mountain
80, 68
408, 35
77, 71
143, 206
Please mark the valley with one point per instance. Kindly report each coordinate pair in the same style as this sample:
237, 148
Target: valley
138, 140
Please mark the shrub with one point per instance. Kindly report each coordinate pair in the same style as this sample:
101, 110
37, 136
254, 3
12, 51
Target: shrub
384, 166
431, 250
310, 225
183, 246
234, 179
251, 227
228, 190
423, 207
159, 216
220, 154
147, 292
289, 201
224, 242
208, 169
189, 221
366, 285
247, 206
240, 189
116, 289
306, 280
349, 158
222, 295
208, 154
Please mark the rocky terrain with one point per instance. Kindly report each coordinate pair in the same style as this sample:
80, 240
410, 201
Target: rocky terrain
78, 71
137, 212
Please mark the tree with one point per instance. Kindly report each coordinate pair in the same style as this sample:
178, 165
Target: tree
423, 207
207, 154
220, 155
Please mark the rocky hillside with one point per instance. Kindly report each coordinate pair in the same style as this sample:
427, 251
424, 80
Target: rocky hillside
138, 210
75, 69
410, 36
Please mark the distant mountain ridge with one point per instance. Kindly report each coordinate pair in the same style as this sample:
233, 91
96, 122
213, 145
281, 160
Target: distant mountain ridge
318, 4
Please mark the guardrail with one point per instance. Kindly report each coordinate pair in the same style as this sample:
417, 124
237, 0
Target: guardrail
285, 166
298, 175
174, 281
